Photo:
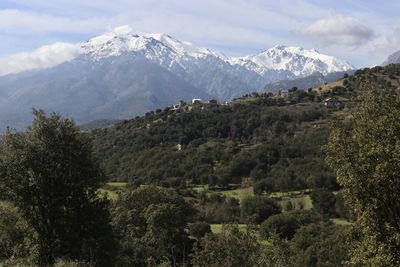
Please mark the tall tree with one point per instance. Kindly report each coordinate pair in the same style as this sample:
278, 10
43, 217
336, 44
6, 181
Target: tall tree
150, 223
366, 157
49, 173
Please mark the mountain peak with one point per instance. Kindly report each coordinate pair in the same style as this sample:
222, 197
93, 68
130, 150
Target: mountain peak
298, 60
123, 39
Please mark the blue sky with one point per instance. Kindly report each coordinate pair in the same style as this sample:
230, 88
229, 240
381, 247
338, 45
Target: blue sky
361, 32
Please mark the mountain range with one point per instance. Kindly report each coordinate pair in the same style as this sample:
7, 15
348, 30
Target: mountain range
122, 74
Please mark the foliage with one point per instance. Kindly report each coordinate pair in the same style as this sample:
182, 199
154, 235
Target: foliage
319, 245
259, 208
199, 229
231, 247
150, 223
283, 225
286, 224
264, 138
323, 201
365, 157
217, 208
49, 173
341, 208
17, 238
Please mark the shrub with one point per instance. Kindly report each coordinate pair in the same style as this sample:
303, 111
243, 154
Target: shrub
259, 208
284, 225
199, 229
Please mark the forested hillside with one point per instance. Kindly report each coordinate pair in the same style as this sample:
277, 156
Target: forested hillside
276, 141
251, 183
262, 137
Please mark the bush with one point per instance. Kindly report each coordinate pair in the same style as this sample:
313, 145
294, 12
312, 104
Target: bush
323, 201
284, 225
259, 208
17, 239
319, 244
199, 229
230, 248
262, 187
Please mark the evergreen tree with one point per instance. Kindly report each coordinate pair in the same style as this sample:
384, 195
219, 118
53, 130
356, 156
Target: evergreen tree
49, 173
366, 159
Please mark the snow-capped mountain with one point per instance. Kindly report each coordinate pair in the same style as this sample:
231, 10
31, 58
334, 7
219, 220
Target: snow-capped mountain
156, 46
392, 59
219, 75
208, 70
299, 61
121, 74
171, 53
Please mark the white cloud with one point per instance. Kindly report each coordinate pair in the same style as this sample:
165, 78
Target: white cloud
43, 57
19, 21
390, 43
236, 27
339, 30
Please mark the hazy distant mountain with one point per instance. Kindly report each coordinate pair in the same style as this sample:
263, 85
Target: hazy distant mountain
121, 74
310, 81
113, 88
392, 59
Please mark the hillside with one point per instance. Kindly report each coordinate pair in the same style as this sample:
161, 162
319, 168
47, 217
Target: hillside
274, 141
311, 81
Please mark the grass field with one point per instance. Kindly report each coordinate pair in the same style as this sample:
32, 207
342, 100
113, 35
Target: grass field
299, 199
112, 189
240, 193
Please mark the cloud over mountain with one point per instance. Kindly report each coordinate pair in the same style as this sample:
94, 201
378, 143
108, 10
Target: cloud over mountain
43, 57
339, 30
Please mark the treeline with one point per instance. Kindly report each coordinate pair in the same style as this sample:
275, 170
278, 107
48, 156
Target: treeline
266, 139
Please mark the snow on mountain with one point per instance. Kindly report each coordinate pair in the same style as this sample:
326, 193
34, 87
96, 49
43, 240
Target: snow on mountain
392, 59
301, 62
164, 49
122, 40
121, 74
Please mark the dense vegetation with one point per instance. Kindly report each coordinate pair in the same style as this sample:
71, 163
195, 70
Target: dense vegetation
275, 141
54, 213
267, 138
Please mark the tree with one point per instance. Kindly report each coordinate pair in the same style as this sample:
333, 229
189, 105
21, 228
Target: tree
284, 225
49, 173
262, 186
319, 245
199, 229
323, 201
150, 223
231, 247
259, 208
365, 156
